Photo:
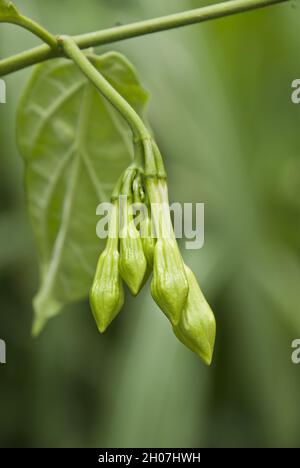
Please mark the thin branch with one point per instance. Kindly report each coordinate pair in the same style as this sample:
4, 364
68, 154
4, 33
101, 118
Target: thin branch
119, 33
10, 14
35, 29
106, 89
139, 130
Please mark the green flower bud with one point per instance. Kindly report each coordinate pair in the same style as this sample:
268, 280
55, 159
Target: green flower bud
197, 326
169, 286
107, 294
132, 262
148, 241
145, 223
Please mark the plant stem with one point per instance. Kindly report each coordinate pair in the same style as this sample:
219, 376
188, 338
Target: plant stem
136, 124
173, 21
35, 28
119, 33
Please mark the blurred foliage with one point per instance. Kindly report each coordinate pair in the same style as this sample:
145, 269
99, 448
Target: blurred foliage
223, 116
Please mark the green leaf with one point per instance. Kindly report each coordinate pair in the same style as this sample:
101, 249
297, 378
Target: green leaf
8, 11
75, 145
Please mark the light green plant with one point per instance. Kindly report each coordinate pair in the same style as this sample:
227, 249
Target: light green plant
81, 125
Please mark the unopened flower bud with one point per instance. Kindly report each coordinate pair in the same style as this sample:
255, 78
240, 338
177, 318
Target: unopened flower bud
148, 239
132, 262
169, 286
107, 294
197, 326
144, 224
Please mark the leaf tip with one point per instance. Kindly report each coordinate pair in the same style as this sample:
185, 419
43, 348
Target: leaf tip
44, 309
37, 326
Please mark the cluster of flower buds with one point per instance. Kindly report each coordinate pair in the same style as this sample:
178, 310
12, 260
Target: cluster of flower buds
140, 245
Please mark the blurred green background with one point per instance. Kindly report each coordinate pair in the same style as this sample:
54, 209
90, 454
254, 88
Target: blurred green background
222, 113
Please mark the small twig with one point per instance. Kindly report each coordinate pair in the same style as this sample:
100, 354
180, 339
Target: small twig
71, 49
32, 26
107, 36
139, 130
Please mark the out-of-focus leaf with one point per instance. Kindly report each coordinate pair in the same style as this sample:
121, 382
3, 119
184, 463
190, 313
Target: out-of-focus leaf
75, 146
